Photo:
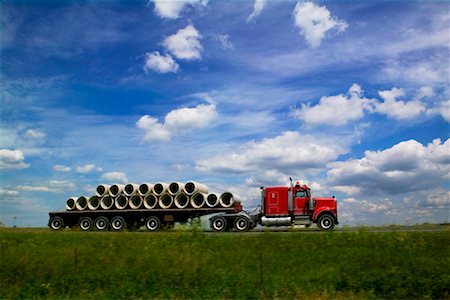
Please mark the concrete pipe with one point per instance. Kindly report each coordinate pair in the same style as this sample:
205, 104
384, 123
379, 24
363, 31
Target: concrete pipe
93, 203
150, 201
71, 203
121, 202
212, 200
160, 188
227, 199
198, 200
181, 200
107, 202
135, 201
102, 190
175, 188
145, 189
192, 187
130, 189
81, 203
115, 190
165, 200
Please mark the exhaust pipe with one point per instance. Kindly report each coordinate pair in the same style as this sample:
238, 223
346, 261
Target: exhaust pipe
192, 187
198, 200
160, 188
212, 200
121, 202
130, 189
93, 203
166, 200
145, 189
175, 188
115, 190
150, 201
81, 203
102, 190
106, 202
181, 200
227, 199
135, 201
71, 203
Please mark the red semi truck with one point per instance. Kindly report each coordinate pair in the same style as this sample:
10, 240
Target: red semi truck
280, 206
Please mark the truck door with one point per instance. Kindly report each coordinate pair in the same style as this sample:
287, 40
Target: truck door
301, 202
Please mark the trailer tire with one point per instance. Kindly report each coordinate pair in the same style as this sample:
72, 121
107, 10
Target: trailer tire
242, 224
153, 223
86, 223
326, 222
219, 224
57, 223
101, 223
117, 223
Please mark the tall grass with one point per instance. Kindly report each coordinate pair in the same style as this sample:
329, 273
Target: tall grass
127, 265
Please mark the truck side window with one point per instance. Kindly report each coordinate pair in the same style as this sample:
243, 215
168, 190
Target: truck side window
300, 194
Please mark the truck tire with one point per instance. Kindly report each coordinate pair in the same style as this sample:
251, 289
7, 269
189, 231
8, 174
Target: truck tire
117, 223
242, 224
101, 223
153, 223
326, 222
86, 223
56, 223
219, 224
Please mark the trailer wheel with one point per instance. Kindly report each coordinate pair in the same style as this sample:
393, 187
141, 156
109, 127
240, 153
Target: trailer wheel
153, 223
241, 224
326, 222
56, 223
219, 224
101, 223
117, 223
86, 223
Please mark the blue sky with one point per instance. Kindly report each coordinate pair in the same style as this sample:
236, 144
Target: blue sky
351, 98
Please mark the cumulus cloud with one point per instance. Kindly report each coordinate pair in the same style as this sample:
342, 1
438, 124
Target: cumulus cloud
185, 44
398, 109
35, 134
87, 168
177, 122
407, 166
160, 63
12, 159
286, 152
172, 9
115, 177
258, 6
315, 22
445, 110
61, 168
336, 110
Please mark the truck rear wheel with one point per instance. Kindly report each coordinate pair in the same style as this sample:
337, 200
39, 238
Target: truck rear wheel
86, 224
219, 224
101, 223
326, 222
117, 223
242, 224
153, 223
56, 223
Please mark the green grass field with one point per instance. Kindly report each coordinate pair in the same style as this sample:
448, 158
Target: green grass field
133, 265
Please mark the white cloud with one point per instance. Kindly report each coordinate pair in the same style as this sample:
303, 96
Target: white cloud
35, 134
87, 168
177, 122
8, 193
160, 63
407, 166
12, 159
398, 109
424, 92
445, 110
336, 110
32, 188
62, 185
286, 152
224, 40
315, 21
115, 177
258, 6
185, 44
61, 168
172, 9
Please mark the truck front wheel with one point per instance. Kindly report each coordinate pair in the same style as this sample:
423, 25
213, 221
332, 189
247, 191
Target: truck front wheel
219, 224
56, 223
326, 222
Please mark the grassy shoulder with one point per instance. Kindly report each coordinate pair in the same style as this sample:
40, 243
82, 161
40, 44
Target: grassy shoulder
39, 263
